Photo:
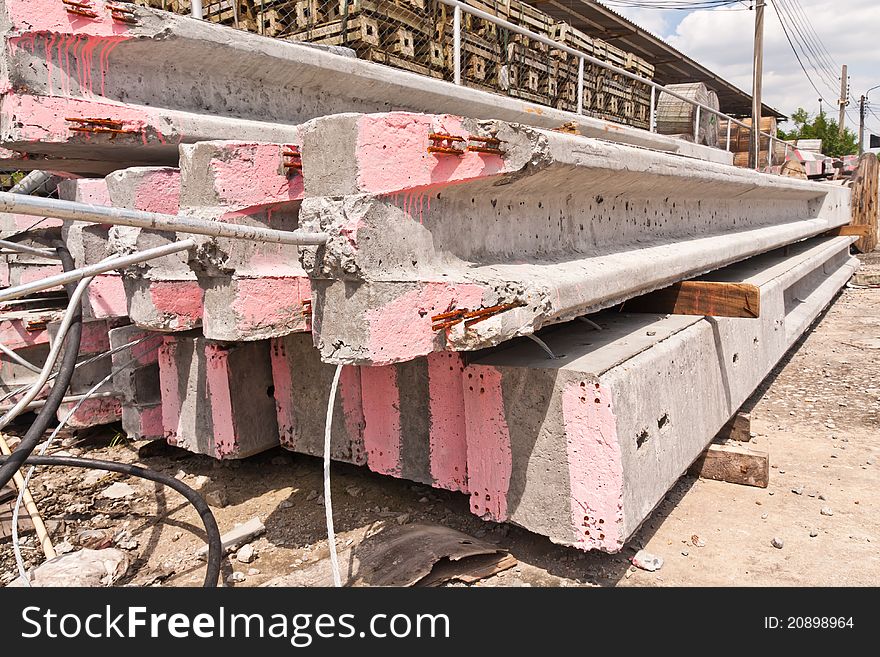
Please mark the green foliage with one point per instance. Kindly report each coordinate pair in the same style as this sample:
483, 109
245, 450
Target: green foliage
821, 127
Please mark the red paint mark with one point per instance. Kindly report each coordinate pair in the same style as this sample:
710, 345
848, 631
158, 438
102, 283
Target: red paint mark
448, 433
381, 401
220, 396
595, 470
489, 458
282, 379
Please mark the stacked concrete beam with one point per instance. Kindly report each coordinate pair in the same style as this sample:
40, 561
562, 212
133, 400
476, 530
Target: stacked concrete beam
217, 399
24, 332
153, 82
163, 294
99, 410
137, 381
540, 229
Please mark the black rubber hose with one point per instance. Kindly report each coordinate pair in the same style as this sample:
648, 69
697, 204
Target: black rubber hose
53, 401
213, 532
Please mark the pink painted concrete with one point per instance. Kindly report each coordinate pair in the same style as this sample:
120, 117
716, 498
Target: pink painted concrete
401, 330
151, 421
95, 338
448, 432
248, 175
42, 119
271, 302
93, 191
51, 16
107, 296
489, 459
92, 413
282, 379
26, 221
180, 300
393, 157
15, 334
353, 410
168, 381
381, 401
159, 191
220, 395
594, 464
31, 273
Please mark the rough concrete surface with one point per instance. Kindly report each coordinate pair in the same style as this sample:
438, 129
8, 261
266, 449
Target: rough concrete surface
829, 378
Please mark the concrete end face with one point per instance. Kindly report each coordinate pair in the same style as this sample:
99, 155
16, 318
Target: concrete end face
217, 399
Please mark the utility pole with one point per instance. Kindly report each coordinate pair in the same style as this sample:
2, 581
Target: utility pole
757, 80
843, 102
862, 125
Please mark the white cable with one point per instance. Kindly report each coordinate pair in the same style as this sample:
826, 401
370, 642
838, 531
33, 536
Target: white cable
19, 561
53, 356
82, 363
328, 507
18, 359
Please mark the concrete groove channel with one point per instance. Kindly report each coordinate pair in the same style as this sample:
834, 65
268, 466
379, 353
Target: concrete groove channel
492, 292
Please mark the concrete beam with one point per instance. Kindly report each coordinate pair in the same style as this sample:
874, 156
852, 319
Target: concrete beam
57, 66
217, 399
138, 382
553, 227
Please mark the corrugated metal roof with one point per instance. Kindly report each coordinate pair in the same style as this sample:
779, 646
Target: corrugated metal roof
671, 65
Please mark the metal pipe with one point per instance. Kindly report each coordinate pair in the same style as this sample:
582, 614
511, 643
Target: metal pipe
32, 182
697, 125
23, 248
456, 44
18, 359
92, 270
197, 11
516, 29
99, 214
66, 400
580, 106
728, 136
651, 119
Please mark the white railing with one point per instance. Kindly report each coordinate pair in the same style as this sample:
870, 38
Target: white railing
459, 7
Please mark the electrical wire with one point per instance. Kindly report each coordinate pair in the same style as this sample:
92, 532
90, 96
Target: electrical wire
12, 463
88, 361
27, 478
213, 532
328, 506
73, 309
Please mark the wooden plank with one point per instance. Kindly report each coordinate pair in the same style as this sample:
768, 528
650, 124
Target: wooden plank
857, 230
735, 463
701, 298
738, 428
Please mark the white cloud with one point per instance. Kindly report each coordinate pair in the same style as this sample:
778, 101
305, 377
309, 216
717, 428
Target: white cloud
721, 40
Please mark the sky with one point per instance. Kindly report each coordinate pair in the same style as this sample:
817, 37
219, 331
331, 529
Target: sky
722, 40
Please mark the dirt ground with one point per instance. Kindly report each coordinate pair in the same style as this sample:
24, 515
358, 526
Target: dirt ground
817, 414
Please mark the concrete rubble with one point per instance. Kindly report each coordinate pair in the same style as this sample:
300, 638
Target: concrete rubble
453, 239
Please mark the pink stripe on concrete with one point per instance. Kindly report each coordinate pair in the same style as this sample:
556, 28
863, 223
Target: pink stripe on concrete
594, 466
393, 155
181, 299
159, 191
448, 433
31, 273
25, 221
253, 174
381, 399
51, 16
220, 395
93, 191
92, 413
151, 420
168, 381
95, 338
489, 458
107, 296
282, 379
15, 335
401, 330
353, 410
42, 119
272, 302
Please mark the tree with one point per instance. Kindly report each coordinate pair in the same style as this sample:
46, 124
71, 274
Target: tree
821, 127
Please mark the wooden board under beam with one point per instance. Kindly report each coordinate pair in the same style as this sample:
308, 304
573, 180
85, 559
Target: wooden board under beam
857, 230
701, 298
864, 204
735, 463
739, 427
